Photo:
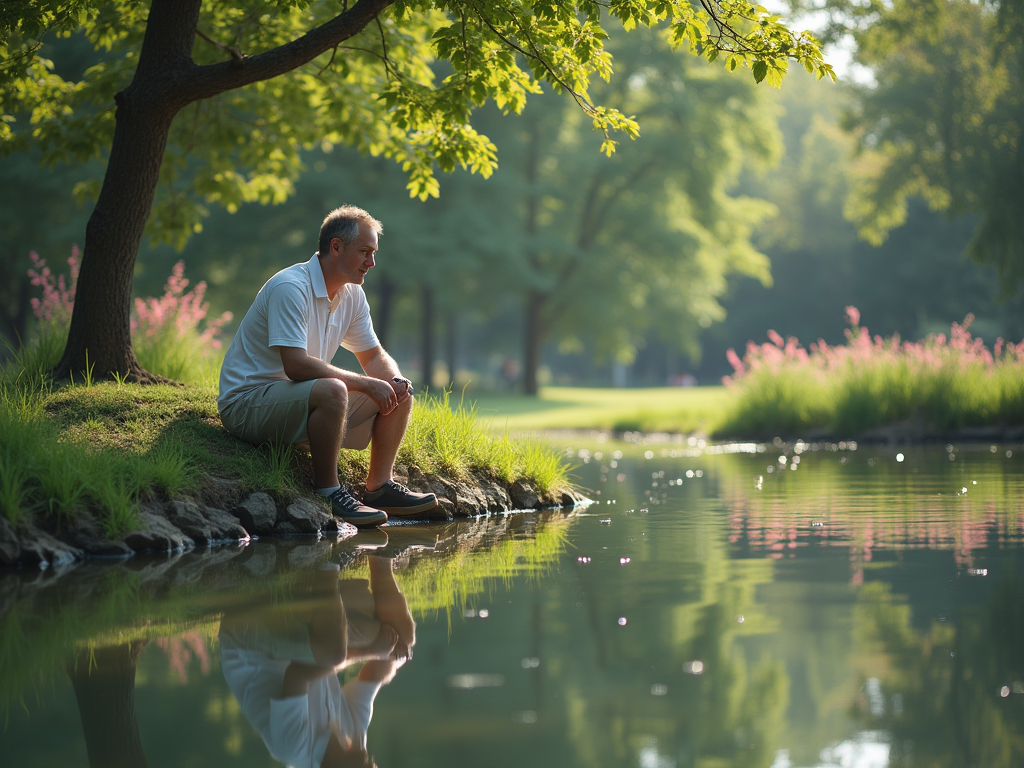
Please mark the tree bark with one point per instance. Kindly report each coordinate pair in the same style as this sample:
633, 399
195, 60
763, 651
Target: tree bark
166, 80
104, 683
100, 332
427, 346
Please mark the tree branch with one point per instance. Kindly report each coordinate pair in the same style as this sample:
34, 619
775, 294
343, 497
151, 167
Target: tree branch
207, 81
236, 54
592, 219
585, 105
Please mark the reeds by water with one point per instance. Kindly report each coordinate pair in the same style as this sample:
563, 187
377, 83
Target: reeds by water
942, 383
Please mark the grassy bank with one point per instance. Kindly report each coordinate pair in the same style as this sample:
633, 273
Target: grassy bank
657, 409
101, 447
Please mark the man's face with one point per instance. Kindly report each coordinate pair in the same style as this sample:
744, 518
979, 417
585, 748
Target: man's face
351, 262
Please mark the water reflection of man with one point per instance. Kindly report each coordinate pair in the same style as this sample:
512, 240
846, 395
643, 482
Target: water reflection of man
282, 663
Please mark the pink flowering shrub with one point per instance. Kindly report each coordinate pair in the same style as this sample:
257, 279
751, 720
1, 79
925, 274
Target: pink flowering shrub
171, 334
178, 310
940, 382
58, 297
167, 331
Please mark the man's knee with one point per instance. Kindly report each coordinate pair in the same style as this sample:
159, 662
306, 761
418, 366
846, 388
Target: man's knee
330, 648
331, 394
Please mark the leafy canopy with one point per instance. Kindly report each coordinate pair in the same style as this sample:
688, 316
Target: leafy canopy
404, 87
945, 120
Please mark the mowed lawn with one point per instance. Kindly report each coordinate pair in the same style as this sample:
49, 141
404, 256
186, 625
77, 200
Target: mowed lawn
659, 409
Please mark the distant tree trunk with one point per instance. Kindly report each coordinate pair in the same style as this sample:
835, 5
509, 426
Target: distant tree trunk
532, 340
19, 323
452, 339
533, 333
385, 309
15, 318
427, 348
104, 683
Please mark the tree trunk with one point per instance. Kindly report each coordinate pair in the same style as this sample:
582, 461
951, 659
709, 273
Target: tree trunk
427, 347
532, 340
165, 81
15, 319
385, 309
452, 344
533, 333
104, 683
100, 334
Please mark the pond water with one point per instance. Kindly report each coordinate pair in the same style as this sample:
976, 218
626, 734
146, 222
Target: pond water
744, 605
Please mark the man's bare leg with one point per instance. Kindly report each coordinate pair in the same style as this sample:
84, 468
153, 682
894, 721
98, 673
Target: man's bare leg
328, 406
386, 437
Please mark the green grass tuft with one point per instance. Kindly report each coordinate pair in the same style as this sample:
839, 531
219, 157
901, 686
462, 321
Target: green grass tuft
453, 441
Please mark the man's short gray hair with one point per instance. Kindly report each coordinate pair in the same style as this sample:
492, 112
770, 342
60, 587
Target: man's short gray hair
343, 223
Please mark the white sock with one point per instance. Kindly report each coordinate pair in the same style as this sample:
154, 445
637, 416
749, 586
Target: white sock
328, 491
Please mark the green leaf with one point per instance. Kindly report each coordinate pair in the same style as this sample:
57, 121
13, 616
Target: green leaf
759, 70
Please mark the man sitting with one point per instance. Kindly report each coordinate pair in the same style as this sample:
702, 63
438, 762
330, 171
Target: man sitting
277, 382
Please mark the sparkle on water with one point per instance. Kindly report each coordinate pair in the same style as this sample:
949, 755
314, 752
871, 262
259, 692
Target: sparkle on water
862, 612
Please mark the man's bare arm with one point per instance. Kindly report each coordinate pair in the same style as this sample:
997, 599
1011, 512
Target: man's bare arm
299, 366
380, 365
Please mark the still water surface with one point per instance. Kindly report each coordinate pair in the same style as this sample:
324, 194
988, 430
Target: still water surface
715, 607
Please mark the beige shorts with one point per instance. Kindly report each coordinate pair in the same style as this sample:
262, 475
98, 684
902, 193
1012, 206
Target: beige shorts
282, 630
278, 412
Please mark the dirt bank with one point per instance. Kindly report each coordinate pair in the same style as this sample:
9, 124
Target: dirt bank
222, 512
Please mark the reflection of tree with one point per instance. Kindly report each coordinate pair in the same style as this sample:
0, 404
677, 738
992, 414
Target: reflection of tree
104, 682
943, 698
49, 627
740, 709
733, 714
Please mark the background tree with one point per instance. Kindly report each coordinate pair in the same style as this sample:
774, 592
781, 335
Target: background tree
609, 251
914, 283
944, 123
360, 77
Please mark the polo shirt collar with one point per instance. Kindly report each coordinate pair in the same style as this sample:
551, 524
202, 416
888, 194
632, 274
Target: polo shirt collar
316, 275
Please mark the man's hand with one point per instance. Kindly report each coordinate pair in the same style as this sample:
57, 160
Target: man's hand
380, 365
383, 394
403, 388
391, 606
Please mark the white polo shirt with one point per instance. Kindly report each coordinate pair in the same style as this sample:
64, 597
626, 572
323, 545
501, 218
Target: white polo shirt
296, 729
293, 310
